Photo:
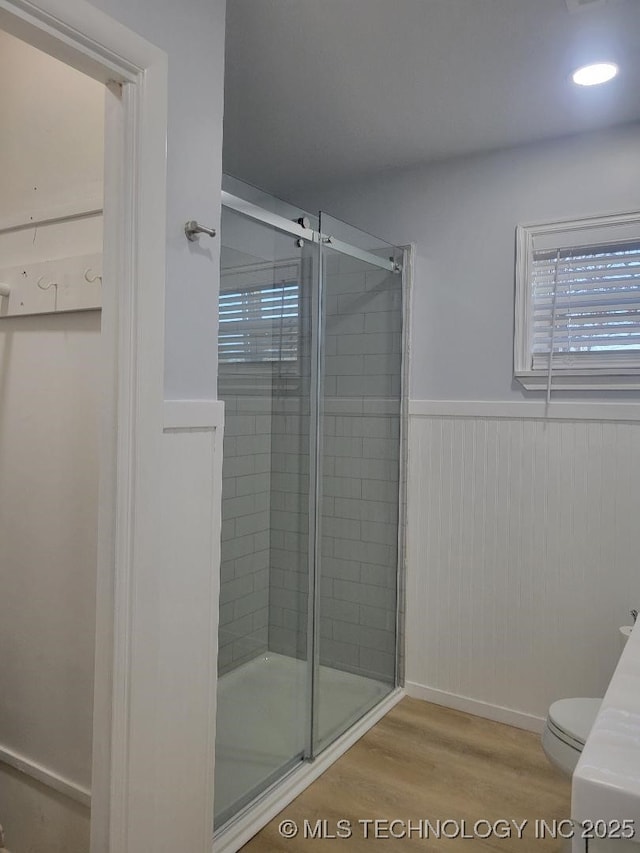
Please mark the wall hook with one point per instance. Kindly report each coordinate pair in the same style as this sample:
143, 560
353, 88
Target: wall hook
46, 286
96, 277
192, 228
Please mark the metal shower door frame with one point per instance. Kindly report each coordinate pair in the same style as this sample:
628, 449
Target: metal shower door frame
297, 229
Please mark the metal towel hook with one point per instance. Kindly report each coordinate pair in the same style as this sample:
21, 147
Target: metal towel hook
192, 228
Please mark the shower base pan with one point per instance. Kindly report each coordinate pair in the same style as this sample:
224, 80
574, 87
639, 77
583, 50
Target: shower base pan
261, 733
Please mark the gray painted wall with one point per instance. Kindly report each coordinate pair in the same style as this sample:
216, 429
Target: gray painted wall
462, 214
192, 33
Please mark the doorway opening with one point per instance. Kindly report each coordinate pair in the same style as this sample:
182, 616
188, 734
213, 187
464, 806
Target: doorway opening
128, 388
51, 271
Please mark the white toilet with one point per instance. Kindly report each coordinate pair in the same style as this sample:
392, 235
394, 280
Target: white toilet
568, 724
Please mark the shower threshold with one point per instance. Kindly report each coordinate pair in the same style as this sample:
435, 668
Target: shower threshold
261, 732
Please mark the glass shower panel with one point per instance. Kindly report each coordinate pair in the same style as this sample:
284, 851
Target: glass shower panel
359, 477
264, 380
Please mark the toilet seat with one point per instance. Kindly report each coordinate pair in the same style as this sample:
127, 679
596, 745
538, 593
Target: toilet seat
565, 737
571, 720
568, 724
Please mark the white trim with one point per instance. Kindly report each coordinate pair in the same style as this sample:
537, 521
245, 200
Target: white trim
521, 338
521, 409
193, 414
45, 776
259, 813
67, 212
476, 707
77, 33
583, 223
111, 807
580, 380
214, 598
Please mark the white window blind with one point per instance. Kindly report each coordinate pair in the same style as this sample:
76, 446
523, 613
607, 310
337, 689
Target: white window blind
586, 301
577, 305
259, 324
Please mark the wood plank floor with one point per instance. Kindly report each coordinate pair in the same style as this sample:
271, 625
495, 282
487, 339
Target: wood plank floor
421, 762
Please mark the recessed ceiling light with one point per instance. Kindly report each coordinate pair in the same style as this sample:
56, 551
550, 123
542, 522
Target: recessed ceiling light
592, 75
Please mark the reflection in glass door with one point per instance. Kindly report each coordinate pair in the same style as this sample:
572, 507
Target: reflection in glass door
359, 477
264, 376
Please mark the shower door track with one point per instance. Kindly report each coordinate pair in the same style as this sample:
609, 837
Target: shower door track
280, 223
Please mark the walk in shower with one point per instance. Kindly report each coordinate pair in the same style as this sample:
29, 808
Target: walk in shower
310, 370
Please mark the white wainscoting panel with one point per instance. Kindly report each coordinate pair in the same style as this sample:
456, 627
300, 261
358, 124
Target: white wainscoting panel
523, 558
177, 596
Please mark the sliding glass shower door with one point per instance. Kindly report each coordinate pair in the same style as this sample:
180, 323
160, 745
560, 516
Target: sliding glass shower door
264, 335
310, 352
359, 473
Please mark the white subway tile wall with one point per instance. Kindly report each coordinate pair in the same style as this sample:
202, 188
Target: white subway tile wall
266, 499
246, 541
359, 483
361, 435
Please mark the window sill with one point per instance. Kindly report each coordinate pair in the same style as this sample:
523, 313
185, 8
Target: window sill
580, 380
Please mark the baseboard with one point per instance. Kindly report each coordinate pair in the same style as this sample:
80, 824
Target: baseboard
519, 719
45, 776
232, 837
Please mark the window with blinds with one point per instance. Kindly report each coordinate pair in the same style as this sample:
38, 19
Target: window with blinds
578, 306
259, 324
586, 306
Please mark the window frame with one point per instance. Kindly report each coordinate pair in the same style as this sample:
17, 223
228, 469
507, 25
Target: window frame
563, 234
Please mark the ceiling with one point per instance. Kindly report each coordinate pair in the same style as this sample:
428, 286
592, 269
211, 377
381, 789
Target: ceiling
323, 90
